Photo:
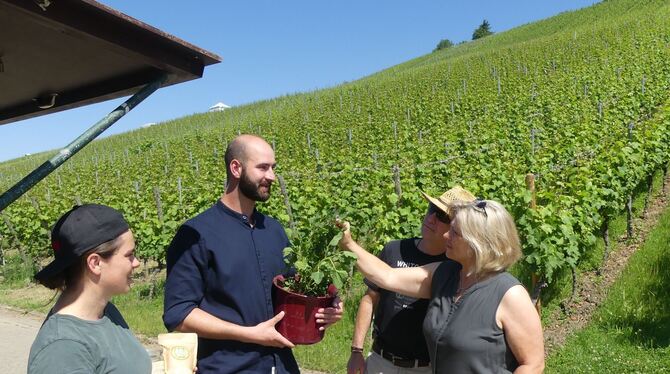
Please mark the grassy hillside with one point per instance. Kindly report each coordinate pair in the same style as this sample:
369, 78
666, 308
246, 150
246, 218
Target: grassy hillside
580, 101
576, 100
631, 332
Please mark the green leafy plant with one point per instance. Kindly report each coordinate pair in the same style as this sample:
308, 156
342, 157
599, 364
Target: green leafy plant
318, 263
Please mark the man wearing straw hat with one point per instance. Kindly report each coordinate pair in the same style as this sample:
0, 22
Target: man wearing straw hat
399, 345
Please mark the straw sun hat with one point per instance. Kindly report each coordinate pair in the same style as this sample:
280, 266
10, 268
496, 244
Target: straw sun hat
452, 195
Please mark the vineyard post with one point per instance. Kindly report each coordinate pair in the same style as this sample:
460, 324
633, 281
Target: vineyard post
316, 158
600, 109
396, 182
159, 212
159, 206
650, 188
629, 203
2, 250
665, 177
287, 203
536, 281
629, 216
179, 189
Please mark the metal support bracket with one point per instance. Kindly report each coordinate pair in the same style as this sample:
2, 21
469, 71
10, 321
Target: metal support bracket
76, 145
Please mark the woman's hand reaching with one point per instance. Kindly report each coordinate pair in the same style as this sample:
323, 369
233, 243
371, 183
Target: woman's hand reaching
346, 241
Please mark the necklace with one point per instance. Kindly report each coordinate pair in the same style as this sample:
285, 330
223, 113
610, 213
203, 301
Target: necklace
463, 286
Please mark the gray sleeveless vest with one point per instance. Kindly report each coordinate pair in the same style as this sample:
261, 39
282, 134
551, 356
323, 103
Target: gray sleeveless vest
463, 336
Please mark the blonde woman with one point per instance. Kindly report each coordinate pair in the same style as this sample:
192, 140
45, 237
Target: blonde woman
480, 318
94, 252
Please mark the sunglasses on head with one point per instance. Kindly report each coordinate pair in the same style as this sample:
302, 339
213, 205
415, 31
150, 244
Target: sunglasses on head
480, 206
441, 215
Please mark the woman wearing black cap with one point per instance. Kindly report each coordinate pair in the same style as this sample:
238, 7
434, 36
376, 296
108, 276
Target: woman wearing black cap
84, 332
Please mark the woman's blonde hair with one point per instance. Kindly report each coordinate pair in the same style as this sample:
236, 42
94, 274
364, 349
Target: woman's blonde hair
489, 230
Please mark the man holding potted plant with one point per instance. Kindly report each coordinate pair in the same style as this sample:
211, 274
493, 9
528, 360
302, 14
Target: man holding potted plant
220, 268
399, 345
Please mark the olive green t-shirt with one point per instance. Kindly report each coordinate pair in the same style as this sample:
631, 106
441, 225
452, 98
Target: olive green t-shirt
67, 344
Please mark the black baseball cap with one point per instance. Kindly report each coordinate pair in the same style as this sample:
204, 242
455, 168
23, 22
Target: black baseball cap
81, 229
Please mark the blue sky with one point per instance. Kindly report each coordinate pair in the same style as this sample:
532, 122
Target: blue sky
271, 48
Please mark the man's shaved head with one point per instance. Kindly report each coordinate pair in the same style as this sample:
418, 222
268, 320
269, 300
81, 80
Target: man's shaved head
238, 149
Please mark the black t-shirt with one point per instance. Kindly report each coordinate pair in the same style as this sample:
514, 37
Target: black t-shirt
398, 318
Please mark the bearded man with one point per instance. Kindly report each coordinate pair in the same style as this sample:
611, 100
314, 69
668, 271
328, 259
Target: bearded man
220, 266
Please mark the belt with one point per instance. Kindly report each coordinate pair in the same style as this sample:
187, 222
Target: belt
397, 360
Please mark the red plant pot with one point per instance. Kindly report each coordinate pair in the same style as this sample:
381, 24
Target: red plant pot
299, 324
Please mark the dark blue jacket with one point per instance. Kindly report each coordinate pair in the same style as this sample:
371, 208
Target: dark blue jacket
219, 263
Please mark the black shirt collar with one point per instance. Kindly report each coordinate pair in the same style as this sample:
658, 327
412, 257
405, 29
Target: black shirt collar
256, 217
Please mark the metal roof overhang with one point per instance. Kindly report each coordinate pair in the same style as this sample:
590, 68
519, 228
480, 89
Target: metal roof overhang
83, 52
62, 54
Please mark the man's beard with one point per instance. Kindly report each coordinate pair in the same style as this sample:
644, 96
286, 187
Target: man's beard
253, 190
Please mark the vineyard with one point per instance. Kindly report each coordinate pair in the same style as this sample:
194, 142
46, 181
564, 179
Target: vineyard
578, 104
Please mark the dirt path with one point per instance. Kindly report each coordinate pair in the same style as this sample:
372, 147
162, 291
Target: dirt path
17, 332
592, 287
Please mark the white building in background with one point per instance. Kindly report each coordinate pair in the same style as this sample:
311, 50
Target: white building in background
218, 107
149, 124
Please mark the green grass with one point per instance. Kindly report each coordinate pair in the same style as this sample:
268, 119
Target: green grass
631, 331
